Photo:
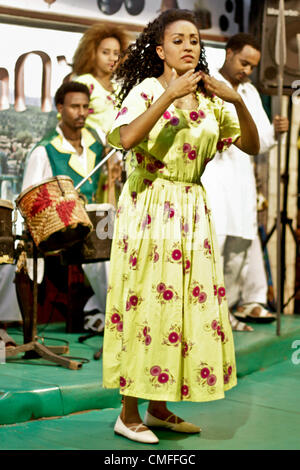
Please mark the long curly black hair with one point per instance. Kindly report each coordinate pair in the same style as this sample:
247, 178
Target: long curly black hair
142, 60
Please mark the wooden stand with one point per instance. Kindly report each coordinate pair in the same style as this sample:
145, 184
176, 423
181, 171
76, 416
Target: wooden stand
31, 346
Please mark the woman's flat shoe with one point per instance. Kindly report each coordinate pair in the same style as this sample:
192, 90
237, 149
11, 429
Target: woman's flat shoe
184, 426
147, 437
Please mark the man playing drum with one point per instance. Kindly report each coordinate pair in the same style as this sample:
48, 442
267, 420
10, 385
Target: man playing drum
71, 149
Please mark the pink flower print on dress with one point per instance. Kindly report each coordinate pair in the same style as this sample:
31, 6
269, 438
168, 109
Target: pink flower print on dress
154, 255
159, 164
176, 255
146, 331
227, 371
165, 294
226, 379
144, 96
186, 348
139, 158
205, 373
114, 322
217, 331
196, 291
168, 294
197, 295
174, 121
134, 198
125, 383
184, 227
194, 115
134, 300
163, 378
115, 318
205, 377
144, 335
202, 297
220, 145
221, 294
207, 247
155, 371
192, 155
146, 222
91, 88
147, 182
186, 148
122, 382
161, 287
91, 111
173, 337
148, 340
160, 377
151, 168
169, 211
124, 110
224, 144
187, 266
184, 390
133, 260
197, 116
211, 380
167, 115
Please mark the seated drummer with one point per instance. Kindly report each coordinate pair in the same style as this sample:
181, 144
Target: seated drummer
70, 149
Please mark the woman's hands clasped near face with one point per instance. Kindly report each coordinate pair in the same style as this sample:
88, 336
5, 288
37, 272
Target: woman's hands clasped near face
183, 85
220, 89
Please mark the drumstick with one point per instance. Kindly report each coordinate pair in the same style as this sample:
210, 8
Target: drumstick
96, 168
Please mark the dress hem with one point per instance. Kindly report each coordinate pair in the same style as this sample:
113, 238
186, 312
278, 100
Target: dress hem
165, 397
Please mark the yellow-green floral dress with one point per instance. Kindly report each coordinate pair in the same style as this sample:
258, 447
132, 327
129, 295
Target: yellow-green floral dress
167, 333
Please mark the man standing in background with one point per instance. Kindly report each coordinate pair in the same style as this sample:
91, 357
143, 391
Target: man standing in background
229, 180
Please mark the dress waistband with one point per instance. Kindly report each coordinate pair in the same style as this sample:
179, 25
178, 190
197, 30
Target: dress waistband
150, 179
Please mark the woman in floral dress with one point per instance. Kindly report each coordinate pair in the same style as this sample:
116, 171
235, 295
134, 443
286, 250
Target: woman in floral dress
167, 333
94, 63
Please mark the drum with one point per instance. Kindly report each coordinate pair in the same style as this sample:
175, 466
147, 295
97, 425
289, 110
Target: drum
54, 214
97, 245
6, 236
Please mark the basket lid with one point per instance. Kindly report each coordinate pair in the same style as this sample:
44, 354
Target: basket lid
41, 183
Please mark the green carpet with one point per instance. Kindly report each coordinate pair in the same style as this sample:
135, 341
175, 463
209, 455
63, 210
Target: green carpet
262, 412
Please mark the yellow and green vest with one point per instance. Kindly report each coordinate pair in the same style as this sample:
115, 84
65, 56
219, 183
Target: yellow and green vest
67, 163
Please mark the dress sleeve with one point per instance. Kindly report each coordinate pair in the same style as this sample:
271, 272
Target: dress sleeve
136, 102
229, 127
87, 79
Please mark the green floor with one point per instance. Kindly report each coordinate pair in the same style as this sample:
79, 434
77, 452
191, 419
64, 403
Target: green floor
262, 412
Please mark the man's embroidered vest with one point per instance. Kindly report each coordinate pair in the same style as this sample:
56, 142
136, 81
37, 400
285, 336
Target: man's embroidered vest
69, 164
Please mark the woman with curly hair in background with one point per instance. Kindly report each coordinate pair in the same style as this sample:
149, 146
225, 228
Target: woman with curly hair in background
167, 332
94, 63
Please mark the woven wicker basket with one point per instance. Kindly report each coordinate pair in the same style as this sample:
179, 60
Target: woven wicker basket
54, 214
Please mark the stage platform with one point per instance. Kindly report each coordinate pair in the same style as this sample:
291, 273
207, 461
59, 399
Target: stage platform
77, 413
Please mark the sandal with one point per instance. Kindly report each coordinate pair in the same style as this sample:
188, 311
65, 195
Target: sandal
94, 322
9, 342
237, 325
254, 312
